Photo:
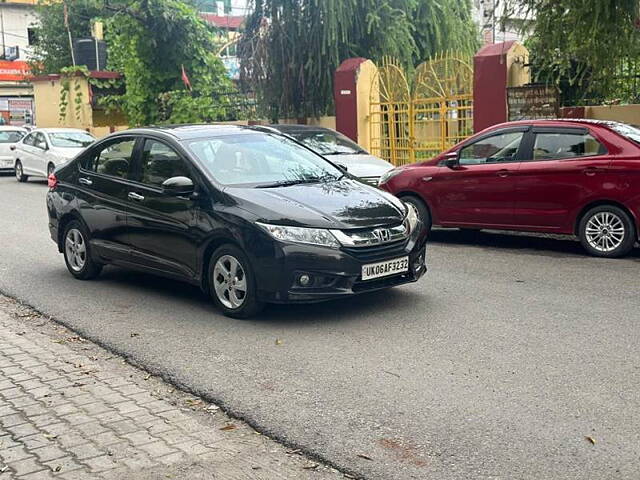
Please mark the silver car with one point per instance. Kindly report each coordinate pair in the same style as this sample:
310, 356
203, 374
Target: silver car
43, 149
339, 149
9, 136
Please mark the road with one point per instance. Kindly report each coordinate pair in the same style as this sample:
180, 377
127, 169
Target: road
498, 364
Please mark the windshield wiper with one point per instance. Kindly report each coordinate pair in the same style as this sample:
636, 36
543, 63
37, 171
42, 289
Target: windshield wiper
300, 181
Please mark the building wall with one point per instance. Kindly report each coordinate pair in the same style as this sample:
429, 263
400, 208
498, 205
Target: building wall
17, 18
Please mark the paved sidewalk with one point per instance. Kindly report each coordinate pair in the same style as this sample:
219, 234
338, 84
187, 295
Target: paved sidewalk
72, 410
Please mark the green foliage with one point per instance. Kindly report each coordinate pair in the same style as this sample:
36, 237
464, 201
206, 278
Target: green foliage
67, 74
148, 42
585, 46
291, 48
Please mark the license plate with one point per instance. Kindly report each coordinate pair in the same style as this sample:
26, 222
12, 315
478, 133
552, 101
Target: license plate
385, 269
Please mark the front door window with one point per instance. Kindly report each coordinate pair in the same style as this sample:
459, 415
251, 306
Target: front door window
501, 148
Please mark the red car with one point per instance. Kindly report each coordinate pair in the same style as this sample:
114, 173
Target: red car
569, 177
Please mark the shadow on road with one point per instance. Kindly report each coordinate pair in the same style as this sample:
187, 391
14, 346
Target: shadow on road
528, 243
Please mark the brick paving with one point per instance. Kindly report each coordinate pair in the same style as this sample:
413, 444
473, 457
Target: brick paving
72, 410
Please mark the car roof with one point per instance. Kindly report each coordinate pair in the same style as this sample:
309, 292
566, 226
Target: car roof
295, 128
559, 122
191, 131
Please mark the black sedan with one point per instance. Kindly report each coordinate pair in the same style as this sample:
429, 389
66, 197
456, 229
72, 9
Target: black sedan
250, 217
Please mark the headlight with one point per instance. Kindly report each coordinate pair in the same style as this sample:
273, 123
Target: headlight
412, 218
314, 236
389, 175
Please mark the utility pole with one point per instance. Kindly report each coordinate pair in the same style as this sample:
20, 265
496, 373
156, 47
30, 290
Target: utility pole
66, 24
4, 48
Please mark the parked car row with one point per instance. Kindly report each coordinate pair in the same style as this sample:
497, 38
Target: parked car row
281, 214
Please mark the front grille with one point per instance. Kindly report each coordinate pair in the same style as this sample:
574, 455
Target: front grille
378, 252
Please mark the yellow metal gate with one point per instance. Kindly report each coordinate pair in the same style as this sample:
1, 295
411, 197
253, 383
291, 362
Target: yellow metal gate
413, 118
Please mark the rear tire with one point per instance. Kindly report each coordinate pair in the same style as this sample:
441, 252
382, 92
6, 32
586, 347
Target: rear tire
607, 231
77, 252
421, 208
232, 283
20, 176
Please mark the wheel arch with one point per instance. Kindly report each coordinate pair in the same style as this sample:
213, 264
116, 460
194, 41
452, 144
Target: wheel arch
411, 193
598, 203
213, 244
62, 224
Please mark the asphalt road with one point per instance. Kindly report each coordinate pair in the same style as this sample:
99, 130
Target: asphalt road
498, 364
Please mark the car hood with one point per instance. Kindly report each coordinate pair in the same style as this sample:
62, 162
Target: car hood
342, 204
362, 164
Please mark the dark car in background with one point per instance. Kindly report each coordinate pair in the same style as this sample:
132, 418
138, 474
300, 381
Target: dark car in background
569, 177
250, 217
339, 149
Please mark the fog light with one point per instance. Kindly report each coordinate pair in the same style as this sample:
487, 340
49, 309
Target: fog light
304, 280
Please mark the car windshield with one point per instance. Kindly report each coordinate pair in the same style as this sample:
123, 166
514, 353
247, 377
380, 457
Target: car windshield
71, 139
628, 131
328, 143
261, 160
11, 136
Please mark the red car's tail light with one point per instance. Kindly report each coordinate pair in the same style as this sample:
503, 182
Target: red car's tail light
52, 181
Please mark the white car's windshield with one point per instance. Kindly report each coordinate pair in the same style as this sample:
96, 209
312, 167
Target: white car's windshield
261, 160
71, 139
328, 143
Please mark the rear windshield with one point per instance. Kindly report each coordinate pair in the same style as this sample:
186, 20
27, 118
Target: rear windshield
628, 131
11, 136
260, 160
71, 139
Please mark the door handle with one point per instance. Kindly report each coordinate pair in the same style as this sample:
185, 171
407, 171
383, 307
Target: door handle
591, 171
135, 196
85, 181
503, 173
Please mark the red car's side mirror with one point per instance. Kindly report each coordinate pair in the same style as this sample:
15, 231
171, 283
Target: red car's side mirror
451, 160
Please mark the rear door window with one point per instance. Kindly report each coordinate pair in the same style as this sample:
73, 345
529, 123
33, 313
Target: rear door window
113, 159
557, 146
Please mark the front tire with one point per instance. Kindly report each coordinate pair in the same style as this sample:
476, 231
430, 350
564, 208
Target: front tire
50, 169
607, 231
77, 252
20, 176
423, 211
232, 283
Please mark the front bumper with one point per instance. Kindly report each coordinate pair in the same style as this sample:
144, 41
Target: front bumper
335, 273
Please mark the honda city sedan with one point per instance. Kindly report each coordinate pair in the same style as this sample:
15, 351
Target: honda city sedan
43, 149
574, 177
250, 217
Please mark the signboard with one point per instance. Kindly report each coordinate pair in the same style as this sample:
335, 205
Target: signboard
13, 71
532, 102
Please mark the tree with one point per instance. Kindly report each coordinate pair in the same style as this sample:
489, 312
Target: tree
587, 45
150, 42
52, 52
291, 48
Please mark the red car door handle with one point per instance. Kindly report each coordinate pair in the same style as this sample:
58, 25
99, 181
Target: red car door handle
591, 171
503, 173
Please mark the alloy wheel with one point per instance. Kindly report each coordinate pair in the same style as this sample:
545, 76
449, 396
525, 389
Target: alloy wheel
75, 249
230, 282
605, 232
19, 171
50, 169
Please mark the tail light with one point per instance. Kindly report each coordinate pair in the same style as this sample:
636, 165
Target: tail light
52, 181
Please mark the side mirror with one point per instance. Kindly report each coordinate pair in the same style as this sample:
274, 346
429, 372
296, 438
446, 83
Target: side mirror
451, 160
42, 146
178, 186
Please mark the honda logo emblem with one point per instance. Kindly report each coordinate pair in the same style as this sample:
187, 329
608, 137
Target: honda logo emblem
382, 234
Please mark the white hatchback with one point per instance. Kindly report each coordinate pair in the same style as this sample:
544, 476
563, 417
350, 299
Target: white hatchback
9, 136
42, 150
